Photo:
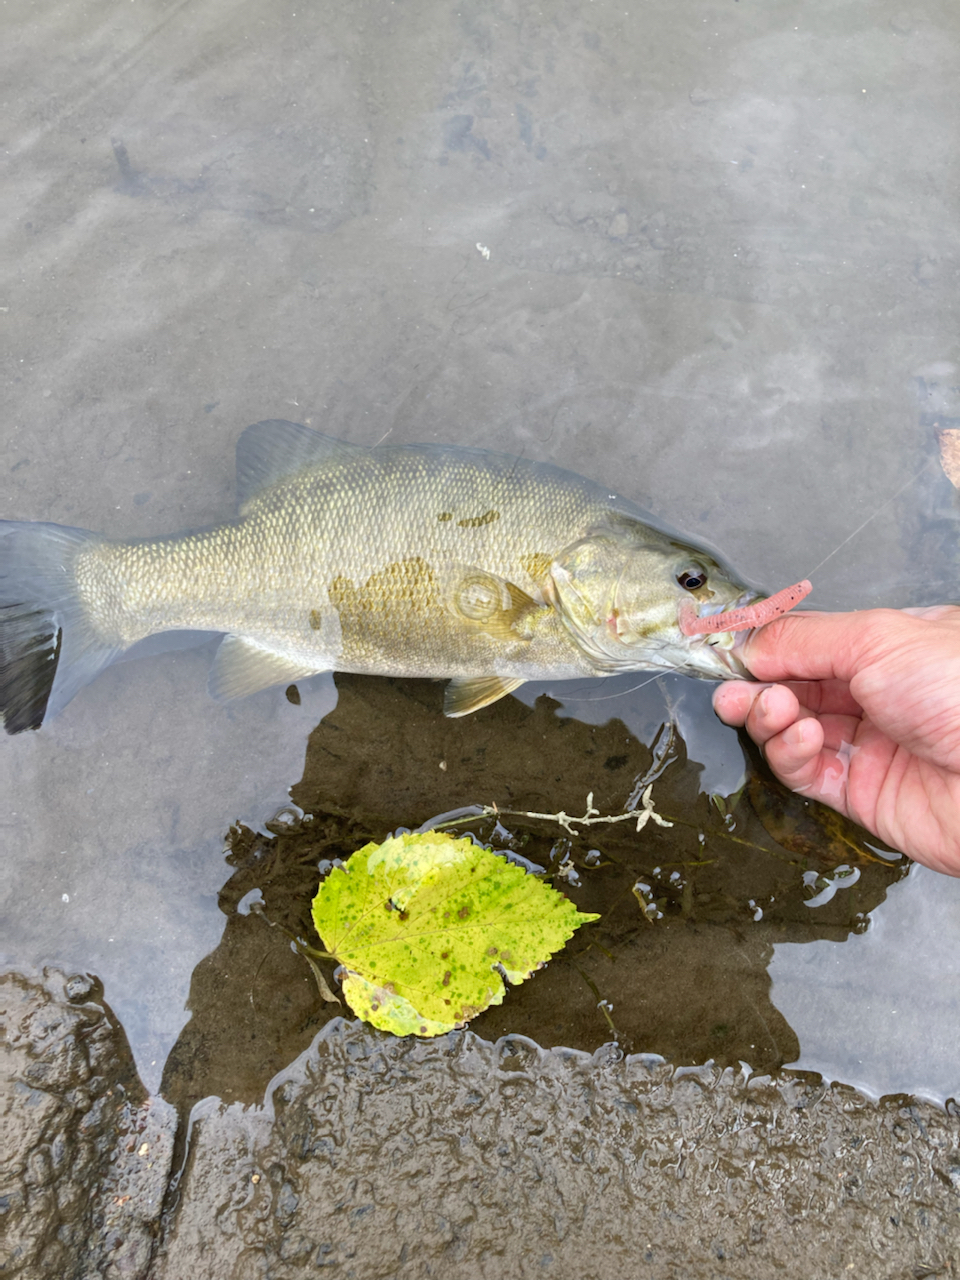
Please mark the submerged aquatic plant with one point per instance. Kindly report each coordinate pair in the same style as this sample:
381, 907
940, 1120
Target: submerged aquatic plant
426, 928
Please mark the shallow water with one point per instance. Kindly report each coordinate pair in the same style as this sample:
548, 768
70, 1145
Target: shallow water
721, 278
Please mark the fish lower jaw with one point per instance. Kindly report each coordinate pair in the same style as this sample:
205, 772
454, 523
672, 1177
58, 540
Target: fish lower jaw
730, 665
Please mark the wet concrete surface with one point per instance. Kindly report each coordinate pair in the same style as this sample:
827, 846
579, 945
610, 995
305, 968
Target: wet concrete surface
722, 277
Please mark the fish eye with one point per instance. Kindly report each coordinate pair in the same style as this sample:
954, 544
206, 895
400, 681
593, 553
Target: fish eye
692, 579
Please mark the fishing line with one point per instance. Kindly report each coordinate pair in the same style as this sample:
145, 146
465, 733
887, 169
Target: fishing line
605, 697
879, 511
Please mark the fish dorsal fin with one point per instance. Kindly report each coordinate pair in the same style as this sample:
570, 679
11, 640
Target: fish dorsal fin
242, 667
462, 696
488, 602
271, 451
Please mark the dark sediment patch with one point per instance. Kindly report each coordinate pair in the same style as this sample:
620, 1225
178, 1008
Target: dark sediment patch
690, 913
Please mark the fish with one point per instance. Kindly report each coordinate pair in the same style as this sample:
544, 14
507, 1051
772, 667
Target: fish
454, 563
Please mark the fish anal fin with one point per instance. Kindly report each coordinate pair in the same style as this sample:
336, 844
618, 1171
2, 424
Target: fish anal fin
276, 450
490, 603
242, 667
463, 695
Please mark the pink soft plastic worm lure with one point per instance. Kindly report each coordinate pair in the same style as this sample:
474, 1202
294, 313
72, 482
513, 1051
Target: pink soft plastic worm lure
751, 615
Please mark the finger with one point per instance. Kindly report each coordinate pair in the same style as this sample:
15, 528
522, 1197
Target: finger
733, 699
824, 646
773, 711
825, 697
795, 756
807, 753
763, 713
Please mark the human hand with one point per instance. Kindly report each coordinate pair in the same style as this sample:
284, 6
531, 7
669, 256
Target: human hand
868, 720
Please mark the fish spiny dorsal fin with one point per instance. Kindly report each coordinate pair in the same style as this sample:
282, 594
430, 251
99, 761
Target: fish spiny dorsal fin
275, 450
463, 696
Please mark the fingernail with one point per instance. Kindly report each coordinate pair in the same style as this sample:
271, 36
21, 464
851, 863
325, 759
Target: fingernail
796, 734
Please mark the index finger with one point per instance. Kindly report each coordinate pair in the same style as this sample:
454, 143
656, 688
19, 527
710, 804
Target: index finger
820, 646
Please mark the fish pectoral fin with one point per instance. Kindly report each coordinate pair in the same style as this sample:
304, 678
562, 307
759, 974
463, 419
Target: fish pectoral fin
242, 667
276, 450
491, 603
462, 696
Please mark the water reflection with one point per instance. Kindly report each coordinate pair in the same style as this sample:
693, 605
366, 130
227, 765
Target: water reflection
691, 911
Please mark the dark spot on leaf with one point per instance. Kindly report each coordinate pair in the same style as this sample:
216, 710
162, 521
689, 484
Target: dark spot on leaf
444, 955
374, 1005
404, 915
423, 1030
463, 913
491, 951
446, 980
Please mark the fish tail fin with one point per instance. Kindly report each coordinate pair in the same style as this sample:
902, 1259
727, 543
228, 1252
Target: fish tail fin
49, 648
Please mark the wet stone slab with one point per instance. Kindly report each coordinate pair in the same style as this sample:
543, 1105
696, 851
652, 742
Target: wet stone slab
84, 1154
382, 1158
374, 1157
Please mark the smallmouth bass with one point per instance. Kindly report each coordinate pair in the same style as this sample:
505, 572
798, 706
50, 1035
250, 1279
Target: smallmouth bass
414, 560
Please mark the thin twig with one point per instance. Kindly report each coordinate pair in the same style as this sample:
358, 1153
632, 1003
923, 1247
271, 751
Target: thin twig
591, 818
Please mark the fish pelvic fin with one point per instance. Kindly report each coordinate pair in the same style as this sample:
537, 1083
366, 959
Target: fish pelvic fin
272, 451
242, 667
462, 696
49, 648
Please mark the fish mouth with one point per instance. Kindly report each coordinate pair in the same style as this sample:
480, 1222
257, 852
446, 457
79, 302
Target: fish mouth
736, 668
724, 645
746, 597
758, 613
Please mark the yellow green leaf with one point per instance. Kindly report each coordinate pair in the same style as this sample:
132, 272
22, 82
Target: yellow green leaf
426, 927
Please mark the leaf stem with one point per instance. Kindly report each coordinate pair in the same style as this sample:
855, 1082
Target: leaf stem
310, 954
